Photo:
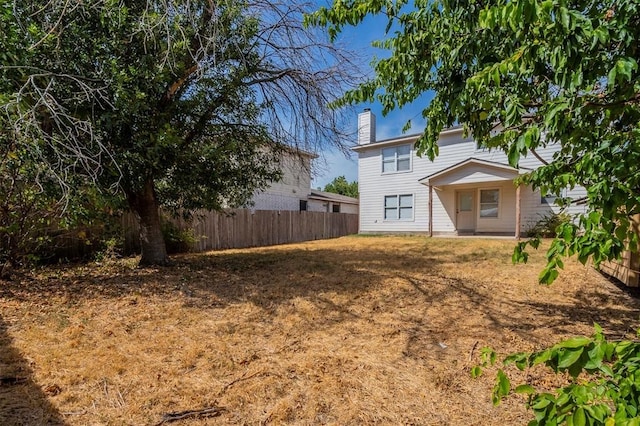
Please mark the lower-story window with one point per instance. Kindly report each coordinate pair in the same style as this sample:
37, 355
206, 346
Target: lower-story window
398, 207
489, 202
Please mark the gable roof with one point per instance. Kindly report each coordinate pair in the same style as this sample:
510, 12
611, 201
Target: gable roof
492, 168
297, 151
405, 138
329, 196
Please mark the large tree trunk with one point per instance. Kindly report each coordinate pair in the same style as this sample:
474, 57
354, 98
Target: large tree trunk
145, 203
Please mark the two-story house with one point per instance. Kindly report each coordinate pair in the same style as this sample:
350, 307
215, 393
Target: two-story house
293, 191
466, 190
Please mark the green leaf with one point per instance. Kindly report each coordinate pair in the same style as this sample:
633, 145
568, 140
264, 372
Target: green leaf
514, 156
625, 67
568, 357
525, 389
548, 275
576, 342
611, 77
554, 110
579, 418
541, 357
502, 387
543, 401
476, 371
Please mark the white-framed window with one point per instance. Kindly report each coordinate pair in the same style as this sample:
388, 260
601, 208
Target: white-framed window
396, 159
398, 207
489, 203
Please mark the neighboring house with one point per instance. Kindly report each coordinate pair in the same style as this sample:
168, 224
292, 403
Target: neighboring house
293, 191
320, 201
465, 190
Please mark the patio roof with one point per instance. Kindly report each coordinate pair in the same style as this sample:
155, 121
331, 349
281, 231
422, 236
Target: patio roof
473, 170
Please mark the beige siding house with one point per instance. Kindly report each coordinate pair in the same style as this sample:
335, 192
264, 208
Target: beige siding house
293, 192
290, 192
465, 190
320, 201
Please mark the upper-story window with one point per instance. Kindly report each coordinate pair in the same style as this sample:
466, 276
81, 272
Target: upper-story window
396, 159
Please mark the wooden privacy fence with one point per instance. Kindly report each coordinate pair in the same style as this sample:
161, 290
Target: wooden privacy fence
239, 228
627, 269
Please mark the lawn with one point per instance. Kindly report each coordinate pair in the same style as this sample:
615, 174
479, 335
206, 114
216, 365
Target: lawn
356, 330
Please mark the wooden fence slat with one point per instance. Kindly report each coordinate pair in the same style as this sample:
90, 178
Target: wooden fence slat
239, 228
627, 268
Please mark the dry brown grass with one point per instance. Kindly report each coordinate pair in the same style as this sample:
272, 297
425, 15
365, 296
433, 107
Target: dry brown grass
358, 330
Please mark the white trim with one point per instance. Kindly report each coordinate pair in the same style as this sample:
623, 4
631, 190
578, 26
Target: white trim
480, 217
398, 218
388, 143
486, 163
451, 130
396, 160
408, 138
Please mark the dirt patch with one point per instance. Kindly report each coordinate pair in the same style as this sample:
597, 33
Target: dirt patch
375, 330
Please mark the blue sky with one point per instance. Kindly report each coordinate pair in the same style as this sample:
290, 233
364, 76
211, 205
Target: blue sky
333, 162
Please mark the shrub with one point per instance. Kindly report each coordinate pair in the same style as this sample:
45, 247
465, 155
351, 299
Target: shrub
547, 225
40, 222
29, 203
178, 240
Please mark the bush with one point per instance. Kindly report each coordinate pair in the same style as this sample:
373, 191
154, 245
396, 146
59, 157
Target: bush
29, 203
178, 240
110, 249
40, 223
547, 225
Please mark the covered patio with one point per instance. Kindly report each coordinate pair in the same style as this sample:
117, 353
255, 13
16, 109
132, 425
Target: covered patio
475, 197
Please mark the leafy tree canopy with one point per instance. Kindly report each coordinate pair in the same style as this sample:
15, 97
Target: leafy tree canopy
182, 104
341, 186
544, 71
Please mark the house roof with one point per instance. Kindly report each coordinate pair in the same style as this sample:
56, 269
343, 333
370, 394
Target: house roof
406, 138
329, 196
488, 166
296, 150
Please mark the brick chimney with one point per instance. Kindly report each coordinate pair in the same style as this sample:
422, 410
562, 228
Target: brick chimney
366, 127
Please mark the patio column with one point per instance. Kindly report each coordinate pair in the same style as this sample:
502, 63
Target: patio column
431, 210
518, 199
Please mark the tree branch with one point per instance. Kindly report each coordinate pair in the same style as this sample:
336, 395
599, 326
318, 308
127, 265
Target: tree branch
178, 85
276, 75
629, 101
540, 159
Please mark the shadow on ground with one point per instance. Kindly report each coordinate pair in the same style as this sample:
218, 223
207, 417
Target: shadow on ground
337, 282
22, 401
